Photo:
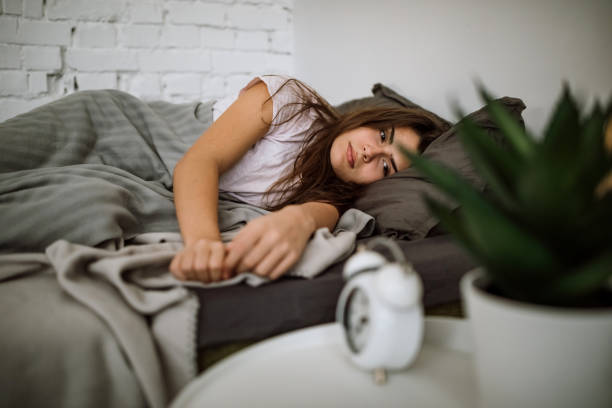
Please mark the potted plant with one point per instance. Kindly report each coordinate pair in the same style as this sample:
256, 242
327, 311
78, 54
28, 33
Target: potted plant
540, 305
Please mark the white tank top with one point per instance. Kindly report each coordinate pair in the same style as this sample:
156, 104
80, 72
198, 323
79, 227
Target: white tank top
274, 154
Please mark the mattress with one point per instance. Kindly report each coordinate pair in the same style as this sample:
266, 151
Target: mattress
244, 313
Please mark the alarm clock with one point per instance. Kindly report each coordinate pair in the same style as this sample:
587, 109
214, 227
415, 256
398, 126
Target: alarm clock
380, 309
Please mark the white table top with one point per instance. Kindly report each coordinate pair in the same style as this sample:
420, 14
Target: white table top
307, 368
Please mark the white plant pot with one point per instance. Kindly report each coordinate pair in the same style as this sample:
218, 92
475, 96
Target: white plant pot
536, 356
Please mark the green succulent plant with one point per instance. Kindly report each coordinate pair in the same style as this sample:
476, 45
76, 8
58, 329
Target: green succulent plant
543, 229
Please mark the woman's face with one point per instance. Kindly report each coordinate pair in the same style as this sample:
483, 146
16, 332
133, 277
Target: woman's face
364, 155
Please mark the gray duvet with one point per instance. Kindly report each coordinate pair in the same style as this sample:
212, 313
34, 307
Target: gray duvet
91, 316
92, 167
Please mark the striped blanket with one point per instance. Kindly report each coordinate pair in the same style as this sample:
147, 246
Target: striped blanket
91, 316
80, 178
92, 167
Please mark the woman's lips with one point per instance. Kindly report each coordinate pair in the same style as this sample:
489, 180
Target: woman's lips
350, 155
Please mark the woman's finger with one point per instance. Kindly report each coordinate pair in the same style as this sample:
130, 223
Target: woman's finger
270, 261
201, 255
255, 255
175, 266
186, 263
287, 262
242, 243
215, 261
226, 273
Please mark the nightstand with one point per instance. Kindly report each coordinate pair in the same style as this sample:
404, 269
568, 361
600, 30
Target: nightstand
307, 368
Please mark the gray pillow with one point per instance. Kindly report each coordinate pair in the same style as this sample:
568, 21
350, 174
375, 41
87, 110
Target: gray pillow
384, 96
396, 202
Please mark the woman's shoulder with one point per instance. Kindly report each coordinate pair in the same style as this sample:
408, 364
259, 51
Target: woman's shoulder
278, 84
287, 94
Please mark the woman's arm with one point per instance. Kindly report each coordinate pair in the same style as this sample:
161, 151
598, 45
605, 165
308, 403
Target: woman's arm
270, 245
196, 181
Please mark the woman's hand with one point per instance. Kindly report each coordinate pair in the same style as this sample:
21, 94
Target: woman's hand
271, 244
201, 261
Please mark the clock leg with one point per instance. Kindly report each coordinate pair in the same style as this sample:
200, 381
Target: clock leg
380, 376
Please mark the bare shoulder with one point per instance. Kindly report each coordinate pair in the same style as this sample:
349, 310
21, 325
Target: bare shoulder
245, 121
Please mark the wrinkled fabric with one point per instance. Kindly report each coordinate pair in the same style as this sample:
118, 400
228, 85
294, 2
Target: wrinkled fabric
92, 317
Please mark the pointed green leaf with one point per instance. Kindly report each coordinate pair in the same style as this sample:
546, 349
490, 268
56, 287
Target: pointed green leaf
496, 166
542, 186
496, 235
561, 137
591, 159
458, 111
607, 107
517, 136
558, 219
451, 222
582, 280
504, 242
505, 278
569, 180
444, 178
592, 226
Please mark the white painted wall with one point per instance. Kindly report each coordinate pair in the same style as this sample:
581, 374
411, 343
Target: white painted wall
432, 51
155, 49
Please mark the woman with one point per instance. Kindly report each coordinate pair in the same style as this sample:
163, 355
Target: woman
282, 147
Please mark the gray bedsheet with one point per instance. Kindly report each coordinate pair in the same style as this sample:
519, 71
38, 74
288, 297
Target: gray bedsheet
91, 316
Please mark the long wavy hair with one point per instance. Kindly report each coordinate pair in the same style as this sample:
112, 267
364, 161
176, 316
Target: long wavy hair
312, 177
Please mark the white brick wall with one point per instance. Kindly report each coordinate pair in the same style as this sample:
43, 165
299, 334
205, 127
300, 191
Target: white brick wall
42, 58
11, 56
95, 35
13, 82
37, 82
174, 50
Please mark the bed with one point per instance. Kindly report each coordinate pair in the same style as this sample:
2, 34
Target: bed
91, 315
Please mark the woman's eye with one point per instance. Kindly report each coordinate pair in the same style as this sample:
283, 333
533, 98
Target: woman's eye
383, 135
385, 169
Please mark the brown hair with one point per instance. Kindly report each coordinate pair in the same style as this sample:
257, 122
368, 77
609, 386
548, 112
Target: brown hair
312, 177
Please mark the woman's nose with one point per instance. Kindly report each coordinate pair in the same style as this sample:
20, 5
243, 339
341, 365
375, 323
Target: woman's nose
369, 152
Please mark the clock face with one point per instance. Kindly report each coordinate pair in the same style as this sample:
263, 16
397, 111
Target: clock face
357, 319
